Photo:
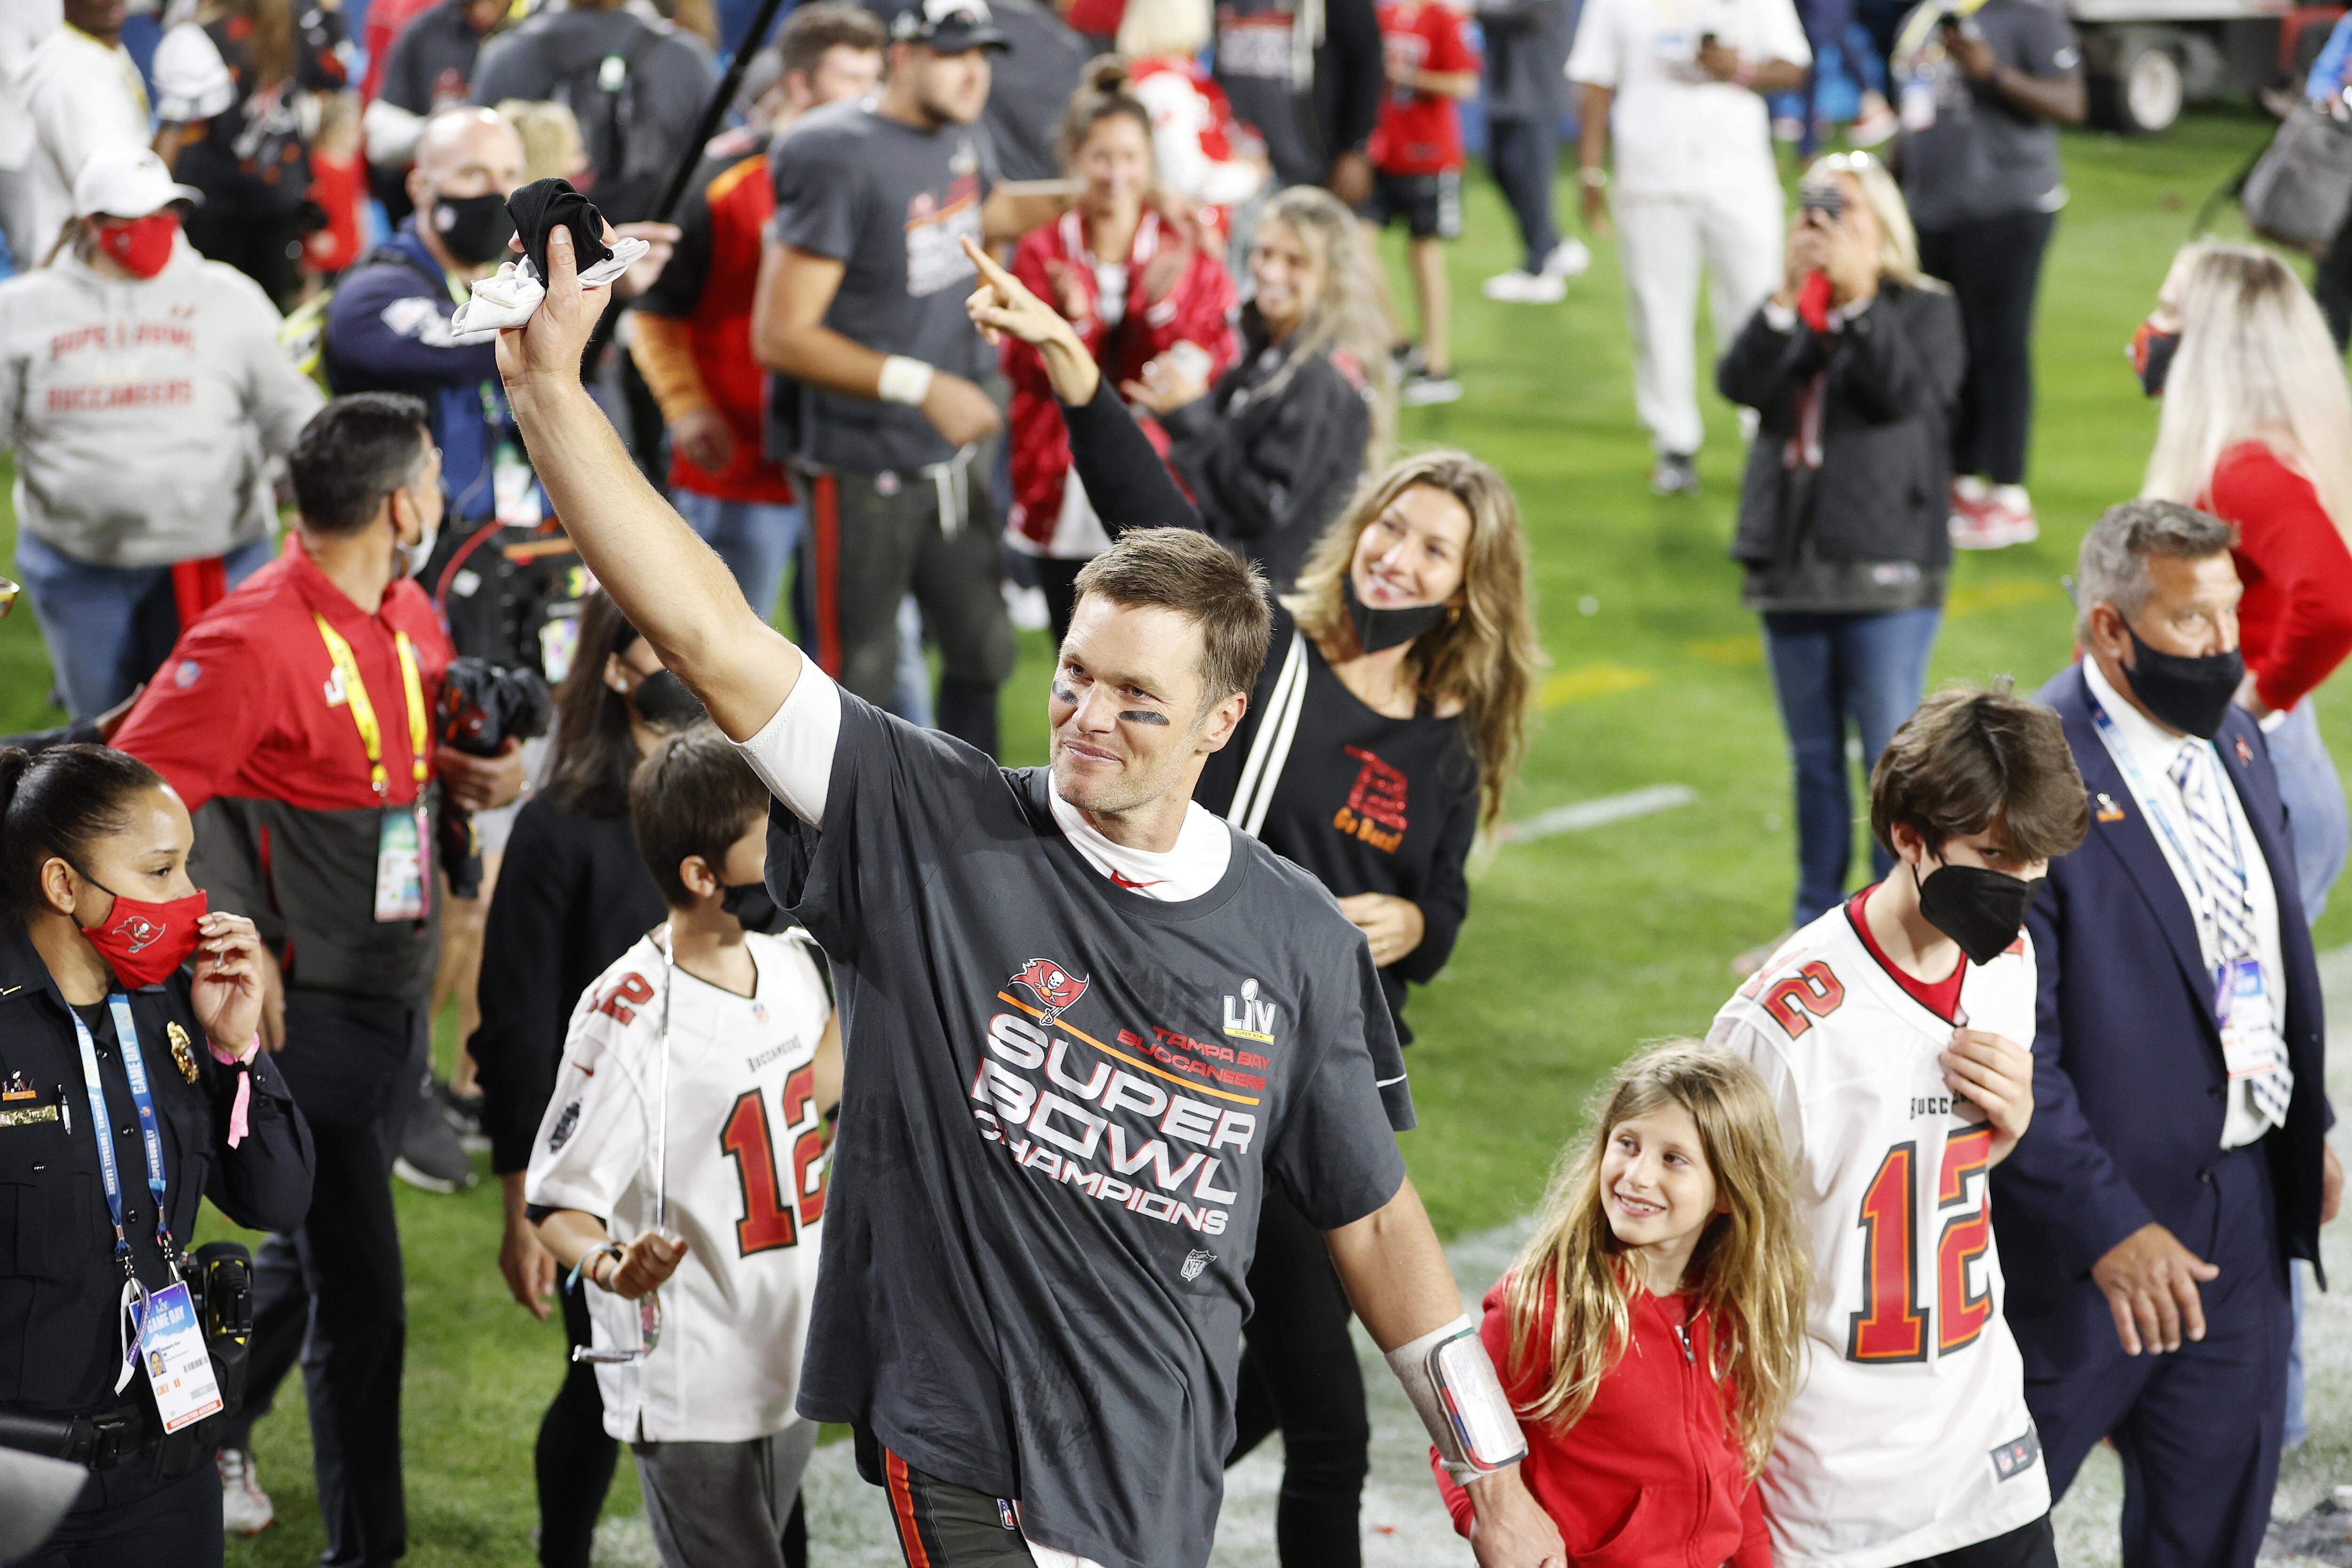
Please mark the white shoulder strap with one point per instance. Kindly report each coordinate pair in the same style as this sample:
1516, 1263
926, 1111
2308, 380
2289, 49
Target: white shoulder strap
1270, 750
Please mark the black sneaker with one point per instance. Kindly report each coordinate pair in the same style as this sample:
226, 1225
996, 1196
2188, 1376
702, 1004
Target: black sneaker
1675, 474
464, 1114
431, 1157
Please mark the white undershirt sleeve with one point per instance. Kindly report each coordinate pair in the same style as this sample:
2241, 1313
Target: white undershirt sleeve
792, 752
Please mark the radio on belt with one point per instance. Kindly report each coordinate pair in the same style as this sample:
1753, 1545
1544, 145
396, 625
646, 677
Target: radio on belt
1452, 1383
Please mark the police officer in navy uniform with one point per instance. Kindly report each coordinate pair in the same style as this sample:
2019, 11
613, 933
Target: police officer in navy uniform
129, 1087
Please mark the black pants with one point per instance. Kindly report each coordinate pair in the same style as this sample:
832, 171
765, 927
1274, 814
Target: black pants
1299, 1372
330, 1294
124, 1519
1994, 266
574, 1456
871, 538
1525, 154
940, 1524
2028, 1546
2331, 285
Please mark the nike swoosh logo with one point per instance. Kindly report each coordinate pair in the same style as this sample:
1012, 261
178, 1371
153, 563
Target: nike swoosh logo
1115, 877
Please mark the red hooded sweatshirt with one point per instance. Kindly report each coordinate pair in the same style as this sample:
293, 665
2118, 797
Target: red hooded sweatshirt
1653, 1474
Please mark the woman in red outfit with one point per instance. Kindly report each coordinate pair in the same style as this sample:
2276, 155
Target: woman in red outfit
2257, 430
1649, 1334
1134, 288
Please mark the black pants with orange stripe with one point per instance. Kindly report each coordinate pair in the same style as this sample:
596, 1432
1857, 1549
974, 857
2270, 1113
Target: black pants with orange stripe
871, 539
942, 1525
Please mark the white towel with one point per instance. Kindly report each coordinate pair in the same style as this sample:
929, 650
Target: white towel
508, 299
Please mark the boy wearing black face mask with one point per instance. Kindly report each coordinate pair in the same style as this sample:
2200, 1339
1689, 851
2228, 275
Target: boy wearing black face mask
1893, 1032
2181, 1158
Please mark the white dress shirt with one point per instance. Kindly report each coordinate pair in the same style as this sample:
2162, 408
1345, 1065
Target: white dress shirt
2145, 754
1678, 131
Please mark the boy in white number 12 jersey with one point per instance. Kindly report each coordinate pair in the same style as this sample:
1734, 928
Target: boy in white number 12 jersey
680, 1170
1895, 1033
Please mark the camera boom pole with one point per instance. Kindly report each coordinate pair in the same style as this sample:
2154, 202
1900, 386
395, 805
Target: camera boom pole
707, 127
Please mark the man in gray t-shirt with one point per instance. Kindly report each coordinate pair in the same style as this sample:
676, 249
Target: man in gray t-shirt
1983, 88
860, 305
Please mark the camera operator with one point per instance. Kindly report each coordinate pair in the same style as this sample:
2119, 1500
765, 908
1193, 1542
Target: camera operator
294, 722
103, 1034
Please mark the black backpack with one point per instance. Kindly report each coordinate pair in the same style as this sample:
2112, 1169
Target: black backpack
628, 158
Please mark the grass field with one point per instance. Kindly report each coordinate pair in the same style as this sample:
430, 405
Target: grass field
1578, 945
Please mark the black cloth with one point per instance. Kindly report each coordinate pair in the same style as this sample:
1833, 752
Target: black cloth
572, 895
2031, 1545
339, 1271
537, 207
59, 1284
127, 1519
1273, 453
432, 60
1299, 1376
573, 1459
1994, 267
1042, 1222
1885, 382
1525, 156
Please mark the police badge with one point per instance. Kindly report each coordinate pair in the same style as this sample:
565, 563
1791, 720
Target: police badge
181, 1055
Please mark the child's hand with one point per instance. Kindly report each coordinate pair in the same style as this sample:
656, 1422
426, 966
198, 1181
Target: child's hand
1996, 1074
645, 1266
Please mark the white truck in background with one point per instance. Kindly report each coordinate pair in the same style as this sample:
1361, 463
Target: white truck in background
2143, 60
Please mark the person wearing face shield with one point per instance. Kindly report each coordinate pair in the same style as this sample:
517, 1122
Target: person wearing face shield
143, 391
295, 723
2178, 1155
125, 1072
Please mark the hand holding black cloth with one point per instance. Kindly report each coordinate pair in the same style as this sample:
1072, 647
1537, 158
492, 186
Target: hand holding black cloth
540, 205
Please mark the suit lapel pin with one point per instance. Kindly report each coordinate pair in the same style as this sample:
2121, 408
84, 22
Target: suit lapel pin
2245, 753
181, 1056
2108, 810
17, 1088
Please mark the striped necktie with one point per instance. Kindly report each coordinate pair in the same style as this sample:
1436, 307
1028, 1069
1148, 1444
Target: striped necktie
2219, 866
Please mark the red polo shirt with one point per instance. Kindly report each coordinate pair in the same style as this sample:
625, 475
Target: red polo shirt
247, 705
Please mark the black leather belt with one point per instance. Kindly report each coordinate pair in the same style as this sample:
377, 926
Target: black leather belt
101, 1442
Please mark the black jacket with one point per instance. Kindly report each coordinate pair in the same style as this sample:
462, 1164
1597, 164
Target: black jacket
1270, 468
1893, 377
59, 1284
573, 894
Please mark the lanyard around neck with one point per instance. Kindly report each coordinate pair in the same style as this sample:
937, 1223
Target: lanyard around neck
135, 1067
355, 694
2207, 902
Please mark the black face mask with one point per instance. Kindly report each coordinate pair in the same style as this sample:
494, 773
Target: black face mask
753, 907
2152, 354
1975, 906
2191, 694
1377, 629
663, 699
475, 228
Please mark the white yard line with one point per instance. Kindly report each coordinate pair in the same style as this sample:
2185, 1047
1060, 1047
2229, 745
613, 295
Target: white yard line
1578, 816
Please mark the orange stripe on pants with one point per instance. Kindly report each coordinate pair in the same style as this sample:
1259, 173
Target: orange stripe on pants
902, 1494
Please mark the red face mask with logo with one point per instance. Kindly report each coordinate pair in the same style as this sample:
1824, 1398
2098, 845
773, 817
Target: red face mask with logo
141, 244
143, 942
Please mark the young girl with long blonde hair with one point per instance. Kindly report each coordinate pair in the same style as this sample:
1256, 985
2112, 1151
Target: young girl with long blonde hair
1649, 1333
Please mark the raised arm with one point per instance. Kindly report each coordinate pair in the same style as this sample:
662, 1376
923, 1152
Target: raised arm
676, 592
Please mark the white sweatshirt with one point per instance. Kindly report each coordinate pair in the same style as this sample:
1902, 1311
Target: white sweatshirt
144, 413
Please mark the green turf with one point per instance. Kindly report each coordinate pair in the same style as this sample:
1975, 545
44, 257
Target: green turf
1578, 946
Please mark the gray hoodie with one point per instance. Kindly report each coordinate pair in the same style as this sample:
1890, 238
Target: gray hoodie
144, 413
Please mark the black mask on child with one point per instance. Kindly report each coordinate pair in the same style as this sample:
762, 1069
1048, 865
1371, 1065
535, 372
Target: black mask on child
751, 906
1378, 628
2190, 693
663, 699
1979, 907
475, 228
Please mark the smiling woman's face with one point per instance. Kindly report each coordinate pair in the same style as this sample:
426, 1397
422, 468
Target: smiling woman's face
1414, 553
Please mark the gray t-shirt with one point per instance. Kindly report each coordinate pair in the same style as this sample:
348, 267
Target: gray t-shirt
1965, 153
1062, 1103
890, 203
1255, 65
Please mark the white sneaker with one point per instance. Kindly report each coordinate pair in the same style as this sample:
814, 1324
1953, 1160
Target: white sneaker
1516, 288
245, 1508
1568, 258
1421, 389
2003, 518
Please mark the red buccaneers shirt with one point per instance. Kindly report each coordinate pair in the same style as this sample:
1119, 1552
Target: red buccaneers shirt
1420, 132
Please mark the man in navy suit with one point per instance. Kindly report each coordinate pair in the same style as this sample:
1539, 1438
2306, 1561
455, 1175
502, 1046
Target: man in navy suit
2177, 1156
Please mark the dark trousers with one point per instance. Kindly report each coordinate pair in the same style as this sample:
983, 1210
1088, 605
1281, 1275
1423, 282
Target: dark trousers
1298, 1374
125, 1520
330, 1294
940, 1524
574, 1456
1994, 266
2198, 1429
2028, 1546
871, 538
1524, 155
2332, 286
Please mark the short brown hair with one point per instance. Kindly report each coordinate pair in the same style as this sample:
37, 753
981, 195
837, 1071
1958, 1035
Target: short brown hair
828, 25
1192, 575
1974, 759
693, 795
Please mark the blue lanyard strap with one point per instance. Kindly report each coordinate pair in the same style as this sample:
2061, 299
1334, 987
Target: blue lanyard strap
2120, 748
135, 1067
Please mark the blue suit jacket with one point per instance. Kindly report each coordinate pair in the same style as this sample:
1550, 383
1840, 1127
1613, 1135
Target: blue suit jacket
2127, 1072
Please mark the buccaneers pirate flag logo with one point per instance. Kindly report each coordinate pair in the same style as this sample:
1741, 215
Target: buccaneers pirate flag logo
1051, 984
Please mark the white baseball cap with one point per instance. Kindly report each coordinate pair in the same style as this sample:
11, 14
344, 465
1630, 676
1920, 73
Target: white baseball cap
126, 182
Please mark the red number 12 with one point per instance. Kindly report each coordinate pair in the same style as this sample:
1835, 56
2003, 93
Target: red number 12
768, 1212
1894, 1323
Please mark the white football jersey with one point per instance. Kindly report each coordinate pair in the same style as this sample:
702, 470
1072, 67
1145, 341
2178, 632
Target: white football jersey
722, 1116
1909, 1434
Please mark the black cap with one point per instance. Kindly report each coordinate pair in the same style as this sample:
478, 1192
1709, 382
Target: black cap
950, 26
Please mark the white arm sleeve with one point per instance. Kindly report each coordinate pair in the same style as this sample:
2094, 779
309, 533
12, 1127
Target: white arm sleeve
392, 134
792, 752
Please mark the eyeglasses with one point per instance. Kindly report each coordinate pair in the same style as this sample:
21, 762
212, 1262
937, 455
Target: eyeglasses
649, 1320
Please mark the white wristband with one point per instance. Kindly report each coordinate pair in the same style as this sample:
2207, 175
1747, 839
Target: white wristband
1452, 1383
904, 380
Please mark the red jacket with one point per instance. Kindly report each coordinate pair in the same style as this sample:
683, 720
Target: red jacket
1198, 308
1653, 1475
2295, 621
